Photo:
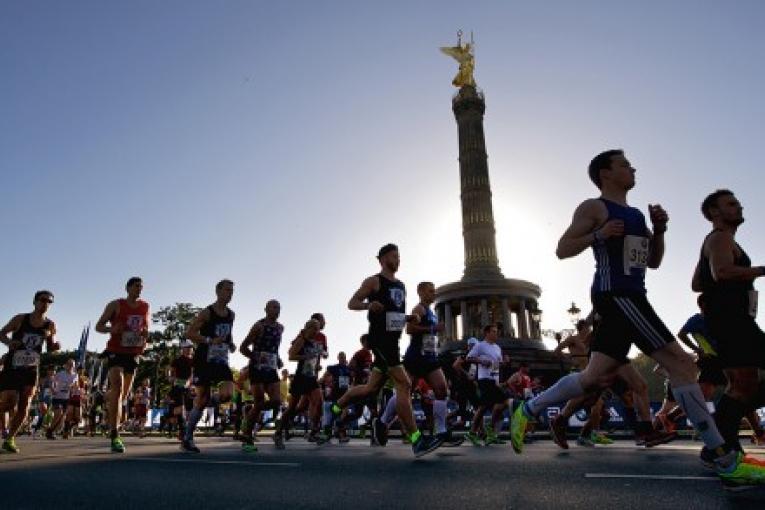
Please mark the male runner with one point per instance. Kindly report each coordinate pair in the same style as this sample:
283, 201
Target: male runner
63, 383
421, 362
21, 364
383, 296
624, 247
128, 332
340, 383
261, 347
725, 276
180, 376
211, 332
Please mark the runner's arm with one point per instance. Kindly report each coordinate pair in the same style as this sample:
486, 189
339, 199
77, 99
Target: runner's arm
720, 248
109, 312
50, 340
294, 352
193, 331
12, 326
412, 327
255, 331
581, 234
696, 280
358, 300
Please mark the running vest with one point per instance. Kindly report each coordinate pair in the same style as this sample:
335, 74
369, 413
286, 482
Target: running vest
388, 325
267, 355
130, 322
33, 339
620, 262
426, 344
341, 378
309, 367
216, 326
730, 297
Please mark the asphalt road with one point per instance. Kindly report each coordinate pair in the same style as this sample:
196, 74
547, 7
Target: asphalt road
82, 473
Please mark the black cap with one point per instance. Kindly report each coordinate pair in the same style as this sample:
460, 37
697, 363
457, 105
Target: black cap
385, 249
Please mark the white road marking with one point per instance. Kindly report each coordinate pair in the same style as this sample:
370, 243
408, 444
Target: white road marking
205, 461
652, 477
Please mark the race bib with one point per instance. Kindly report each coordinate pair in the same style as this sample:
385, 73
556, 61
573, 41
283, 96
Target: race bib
395, 321
222, 330
753, 300
429, 345
132, 339
25, 359
46, 393
267, 361
494, 370
343, 382
217, 353
636, 251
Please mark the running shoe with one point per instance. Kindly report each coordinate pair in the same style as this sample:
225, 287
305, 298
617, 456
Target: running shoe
584, 441
425, 445
741, 475
449, 440
474, 438
558, 431
249, 446
379, 432
600, 438
492, 438
518, 422
657, 437
9, 445
278, 441
117, 445
751, 459
187, 445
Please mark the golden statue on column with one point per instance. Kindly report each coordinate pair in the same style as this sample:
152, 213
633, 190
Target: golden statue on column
464, 55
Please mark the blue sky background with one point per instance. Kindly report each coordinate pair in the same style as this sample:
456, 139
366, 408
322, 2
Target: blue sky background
279, 144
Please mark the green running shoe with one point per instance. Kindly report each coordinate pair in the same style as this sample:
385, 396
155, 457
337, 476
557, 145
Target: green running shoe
518, 422
474, 438
600, 438
9, 445
249, 447
117, 445
742, 475
493, 439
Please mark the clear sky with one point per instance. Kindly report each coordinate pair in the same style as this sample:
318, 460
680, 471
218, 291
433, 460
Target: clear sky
279, 144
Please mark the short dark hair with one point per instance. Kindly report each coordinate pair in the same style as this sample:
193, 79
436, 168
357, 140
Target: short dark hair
41, 293
711, 201
601, 161
132, 281
488, 327
220, 284
386, 249
422, 285
317, 316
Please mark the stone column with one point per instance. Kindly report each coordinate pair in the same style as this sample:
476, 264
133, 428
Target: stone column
448, 322
523, 320
484, 312
465, 318
506, 318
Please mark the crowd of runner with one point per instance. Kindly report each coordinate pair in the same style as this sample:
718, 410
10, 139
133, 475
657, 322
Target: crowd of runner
376, 385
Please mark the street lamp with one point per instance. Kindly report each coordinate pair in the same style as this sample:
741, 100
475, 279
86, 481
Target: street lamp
573, 313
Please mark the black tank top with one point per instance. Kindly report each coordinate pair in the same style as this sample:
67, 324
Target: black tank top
216, 326
389, 324
430, 349
309, 367
33, 339
725, 297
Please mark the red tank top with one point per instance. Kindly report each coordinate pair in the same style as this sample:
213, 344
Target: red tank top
128, 323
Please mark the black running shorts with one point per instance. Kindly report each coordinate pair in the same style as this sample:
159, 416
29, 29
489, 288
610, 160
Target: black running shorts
16, 379
210, 374
627, 319
490, 393
387, 353
302, 385
263, 376
128, 362
740, 341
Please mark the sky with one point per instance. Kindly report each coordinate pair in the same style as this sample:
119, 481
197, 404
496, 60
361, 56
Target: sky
280, 144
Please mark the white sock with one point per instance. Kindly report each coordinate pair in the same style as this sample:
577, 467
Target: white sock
565, 389
191, 424
691, 401
390, 411
439, 415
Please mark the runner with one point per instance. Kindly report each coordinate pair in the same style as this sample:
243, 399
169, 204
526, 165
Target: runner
384, 298
361, 368
211, 332
340, 382
128, 332
624, 247
725, 276
141, 402
261, 347
64, 383
74, 404
21, 364
181, 369
422, 362
307, 352
465, 383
